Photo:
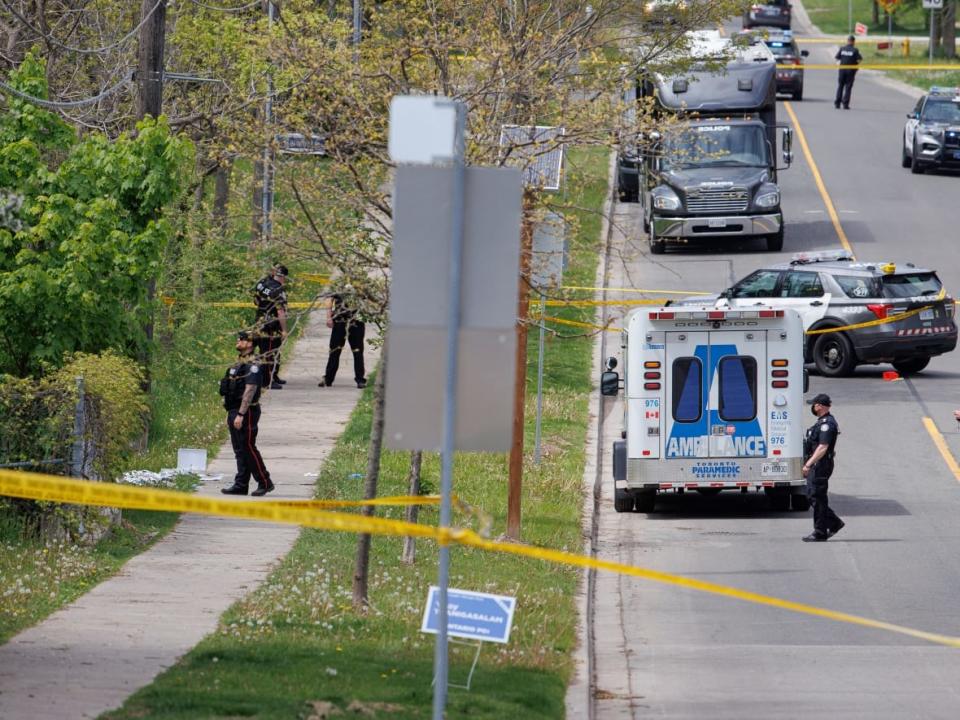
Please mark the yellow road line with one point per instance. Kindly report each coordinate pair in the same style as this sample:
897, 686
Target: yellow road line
941, 444
37, 486
831, 211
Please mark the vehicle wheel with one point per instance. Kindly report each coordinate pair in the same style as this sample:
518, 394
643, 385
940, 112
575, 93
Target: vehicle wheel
646, 224
622, 501
657, 247
799, 502
909, 367
779, 498
775, 242
904, 158
915, 167
833, 355
798, 95
644, 501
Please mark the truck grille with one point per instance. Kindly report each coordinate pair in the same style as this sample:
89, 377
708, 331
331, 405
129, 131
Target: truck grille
717, 200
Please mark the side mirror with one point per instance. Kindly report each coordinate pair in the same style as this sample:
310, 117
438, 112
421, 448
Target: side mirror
912, 115
609, 383
804, 53
806, 380
788, 146
611, 363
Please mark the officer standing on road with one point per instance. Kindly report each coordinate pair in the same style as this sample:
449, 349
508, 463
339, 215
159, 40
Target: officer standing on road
847, 55
271, 323
818, 449
240, 388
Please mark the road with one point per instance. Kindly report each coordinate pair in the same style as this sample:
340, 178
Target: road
668, 652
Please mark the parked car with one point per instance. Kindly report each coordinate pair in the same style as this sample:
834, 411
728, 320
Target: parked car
771, 13
785, 50
931, 137
830, 290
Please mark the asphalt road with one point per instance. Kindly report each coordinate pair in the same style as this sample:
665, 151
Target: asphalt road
668, 652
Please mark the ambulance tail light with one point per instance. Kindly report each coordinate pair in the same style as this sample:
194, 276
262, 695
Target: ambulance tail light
651, 386
879, 310
651, 364
779, 373
651, 375
771, 313
780, 383
780, 363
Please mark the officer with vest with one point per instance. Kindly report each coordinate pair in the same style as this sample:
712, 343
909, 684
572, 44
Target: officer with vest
818, 451
847, 55
271, 323
240, 388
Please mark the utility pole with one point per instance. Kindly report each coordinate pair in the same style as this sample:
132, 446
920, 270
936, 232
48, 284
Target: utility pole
266, 192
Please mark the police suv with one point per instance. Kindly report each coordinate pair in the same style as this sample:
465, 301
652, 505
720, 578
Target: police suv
931, 137
713, 400
854, 312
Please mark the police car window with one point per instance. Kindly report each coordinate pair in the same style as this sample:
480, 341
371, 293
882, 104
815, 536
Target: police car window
687, 390
781, 49
857, 287
762, 283
911, 285
801, 285
738, 388
941, 111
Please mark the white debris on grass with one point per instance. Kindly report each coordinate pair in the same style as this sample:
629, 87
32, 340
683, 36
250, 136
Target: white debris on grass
162, 479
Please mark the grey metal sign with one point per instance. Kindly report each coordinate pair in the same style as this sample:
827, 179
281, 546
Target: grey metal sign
537, 150
549, 257
300, 144
417, 335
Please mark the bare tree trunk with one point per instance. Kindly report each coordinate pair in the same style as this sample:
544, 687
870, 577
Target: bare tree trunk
937, 38
257, 228
361, 569
221, 193
875, 13
413, 480
950, 28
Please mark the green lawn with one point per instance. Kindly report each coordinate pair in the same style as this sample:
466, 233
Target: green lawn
295, 644
831, 16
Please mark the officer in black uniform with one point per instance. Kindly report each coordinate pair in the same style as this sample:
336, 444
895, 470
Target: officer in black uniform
271, 323
346, 327
847, 55
818, 450
240, 388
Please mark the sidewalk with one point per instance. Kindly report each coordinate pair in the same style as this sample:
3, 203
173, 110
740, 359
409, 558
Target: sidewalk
90, 656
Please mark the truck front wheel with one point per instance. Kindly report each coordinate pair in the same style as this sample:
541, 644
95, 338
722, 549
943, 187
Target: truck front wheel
657, 247
775, 241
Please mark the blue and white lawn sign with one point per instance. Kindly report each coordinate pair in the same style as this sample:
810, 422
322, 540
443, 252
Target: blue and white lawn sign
471, 615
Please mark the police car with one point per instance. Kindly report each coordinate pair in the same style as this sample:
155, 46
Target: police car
902, 313
789, 62
775, 13
931, 137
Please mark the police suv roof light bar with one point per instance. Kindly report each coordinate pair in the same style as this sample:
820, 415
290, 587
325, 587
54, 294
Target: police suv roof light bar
820, 256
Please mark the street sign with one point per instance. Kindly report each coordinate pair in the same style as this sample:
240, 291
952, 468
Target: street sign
889, 6
300, 144
422, 130
860, 29
417, 334
471, 615
933, 4
537, 150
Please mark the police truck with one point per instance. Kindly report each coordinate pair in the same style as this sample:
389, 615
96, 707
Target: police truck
713, 401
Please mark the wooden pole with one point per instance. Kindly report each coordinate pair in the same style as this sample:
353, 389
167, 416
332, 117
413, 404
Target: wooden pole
520, 379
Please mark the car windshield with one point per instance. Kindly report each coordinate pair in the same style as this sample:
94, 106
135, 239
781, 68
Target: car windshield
908, 285
780, 49
716, 145
941, 111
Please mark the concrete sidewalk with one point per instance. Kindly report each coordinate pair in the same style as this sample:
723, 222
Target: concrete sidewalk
90, 656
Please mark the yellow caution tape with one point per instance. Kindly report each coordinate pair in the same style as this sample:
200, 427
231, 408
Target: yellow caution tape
393, 501
574, 323
313, 277
240, 304
879, 321
594, 303
872, 66
633, 290
36, 486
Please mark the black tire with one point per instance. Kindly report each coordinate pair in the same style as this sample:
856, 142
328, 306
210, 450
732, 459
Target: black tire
909, 367
645, 501
622, 501
779, 498
915, 167
833, 355
904, 158
657, 247
775, 241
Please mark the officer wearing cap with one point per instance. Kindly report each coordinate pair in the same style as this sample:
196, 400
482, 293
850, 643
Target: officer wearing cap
818, 450
271, 322
847, 55
240, 388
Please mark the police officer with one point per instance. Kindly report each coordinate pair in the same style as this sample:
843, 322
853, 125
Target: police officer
818, 450
847, 55
240, 388
345, 327
271, 323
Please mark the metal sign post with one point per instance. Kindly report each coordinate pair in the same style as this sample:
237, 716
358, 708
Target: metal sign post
932, 6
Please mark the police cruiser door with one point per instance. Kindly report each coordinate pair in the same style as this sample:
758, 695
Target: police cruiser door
715, 389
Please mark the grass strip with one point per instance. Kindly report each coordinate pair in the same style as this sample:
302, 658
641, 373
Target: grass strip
296, 648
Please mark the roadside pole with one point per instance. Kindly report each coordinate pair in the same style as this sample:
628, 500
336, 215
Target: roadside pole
543, 331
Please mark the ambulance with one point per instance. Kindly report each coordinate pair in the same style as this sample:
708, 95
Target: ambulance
713, 401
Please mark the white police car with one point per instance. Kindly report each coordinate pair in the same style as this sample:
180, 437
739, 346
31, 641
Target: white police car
931, 137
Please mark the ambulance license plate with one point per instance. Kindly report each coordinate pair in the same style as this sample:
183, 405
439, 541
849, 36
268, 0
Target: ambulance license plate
768, 469
927, 314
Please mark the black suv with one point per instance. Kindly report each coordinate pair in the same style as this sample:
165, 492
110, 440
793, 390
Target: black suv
830, 290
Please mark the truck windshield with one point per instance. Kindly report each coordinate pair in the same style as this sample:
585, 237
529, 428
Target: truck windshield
716, 145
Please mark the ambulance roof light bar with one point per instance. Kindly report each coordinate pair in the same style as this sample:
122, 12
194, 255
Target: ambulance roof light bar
714, 314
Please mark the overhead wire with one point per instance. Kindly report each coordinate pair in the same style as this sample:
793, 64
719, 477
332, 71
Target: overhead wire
60, 104
83, 51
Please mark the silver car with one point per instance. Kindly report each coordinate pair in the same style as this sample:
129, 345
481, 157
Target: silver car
931, 137
832, 292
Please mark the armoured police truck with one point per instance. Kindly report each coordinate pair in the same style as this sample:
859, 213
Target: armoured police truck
711, 172
713, 401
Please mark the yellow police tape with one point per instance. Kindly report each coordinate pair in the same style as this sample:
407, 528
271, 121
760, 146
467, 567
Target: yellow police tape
632, 290
595, 303
575, 323
872, 66
52, 488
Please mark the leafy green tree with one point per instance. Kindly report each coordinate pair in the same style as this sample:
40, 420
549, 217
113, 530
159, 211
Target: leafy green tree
92, 231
